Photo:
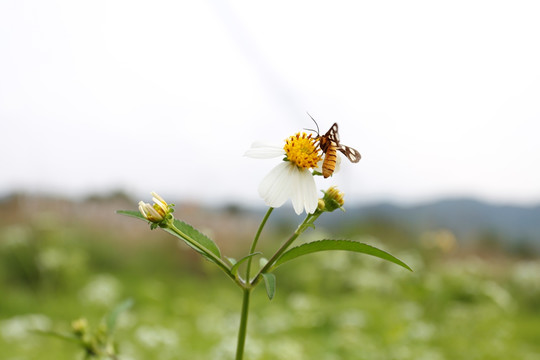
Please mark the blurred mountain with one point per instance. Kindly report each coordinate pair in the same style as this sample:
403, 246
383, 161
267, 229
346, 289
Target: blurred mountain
469, 221
466, 218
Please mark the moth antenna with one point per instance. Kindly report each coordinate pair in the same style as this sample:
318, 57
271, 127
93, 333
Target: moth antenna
315, 124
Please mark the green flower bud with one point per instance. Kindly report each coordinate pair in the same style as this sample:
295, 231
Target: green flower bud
80, 327
333, 199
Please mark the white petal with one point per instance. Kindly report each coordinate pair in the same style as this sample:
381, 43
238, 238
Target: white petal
296, 194
276, 187
288, 181
338, 163
142, 208
259, 144
160, 202
260, 150
311, 196
155, 197
152, 213
305, 193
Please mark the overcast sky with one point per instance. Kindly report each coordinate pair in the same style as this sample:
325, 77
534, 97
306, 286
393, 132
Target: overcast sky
441, 98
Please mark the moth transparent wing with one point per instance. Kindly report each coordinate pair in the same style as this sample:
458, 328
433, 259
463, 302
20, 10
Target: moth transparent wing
333, 134
352, 154
331, 138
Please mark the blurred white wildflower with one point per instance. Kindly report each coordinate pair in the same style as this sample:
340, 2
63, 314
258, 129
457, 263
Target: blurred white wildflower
421, 330
372, 278
305, 314
124, 356
214, 321
51, 259
17, 327
335, 260
498, 294
103, 289
411, 311
300, 302
351, 319
156, 336
226, 349
415, 351
527, 275
286, 349
275, 322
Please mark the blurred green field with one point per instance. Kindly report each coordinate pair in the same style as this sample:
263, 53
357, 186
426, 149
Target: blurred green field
456, 304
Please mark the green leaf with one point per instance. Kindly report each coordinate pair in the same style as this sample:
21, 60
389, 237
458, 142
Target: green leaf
348, 245
111, 317
270, 284
187, 229
132, 213
195, 235
235, 266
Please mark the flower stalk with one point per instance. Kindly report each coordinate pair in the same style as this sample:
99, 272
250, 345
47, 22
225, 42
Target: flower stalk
308, 222
254, 244
242, 329
247, 288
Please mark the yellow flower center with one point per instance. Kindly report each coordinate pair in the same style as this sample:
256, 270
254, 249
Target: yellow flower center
159, 210
302, 151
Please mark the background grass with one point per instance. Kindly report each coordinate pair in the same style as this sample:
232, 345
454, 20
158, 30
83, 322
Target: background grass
459, 303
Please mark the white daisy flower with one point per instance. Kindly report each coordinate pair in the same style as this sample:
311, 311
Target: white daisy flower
292, 178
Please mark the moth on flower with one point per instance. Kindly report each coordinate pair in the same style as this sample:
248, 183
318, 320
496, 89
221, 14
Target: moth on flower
293, 177
330, 145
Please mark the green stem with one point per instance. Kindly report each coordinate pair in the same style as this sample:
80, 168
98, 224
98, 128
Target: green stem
308, 221
254, 244
242, 331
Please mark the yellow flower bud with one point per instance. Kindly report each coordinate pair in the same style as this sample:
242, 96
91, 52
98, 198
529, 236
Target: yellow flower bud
333, 199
